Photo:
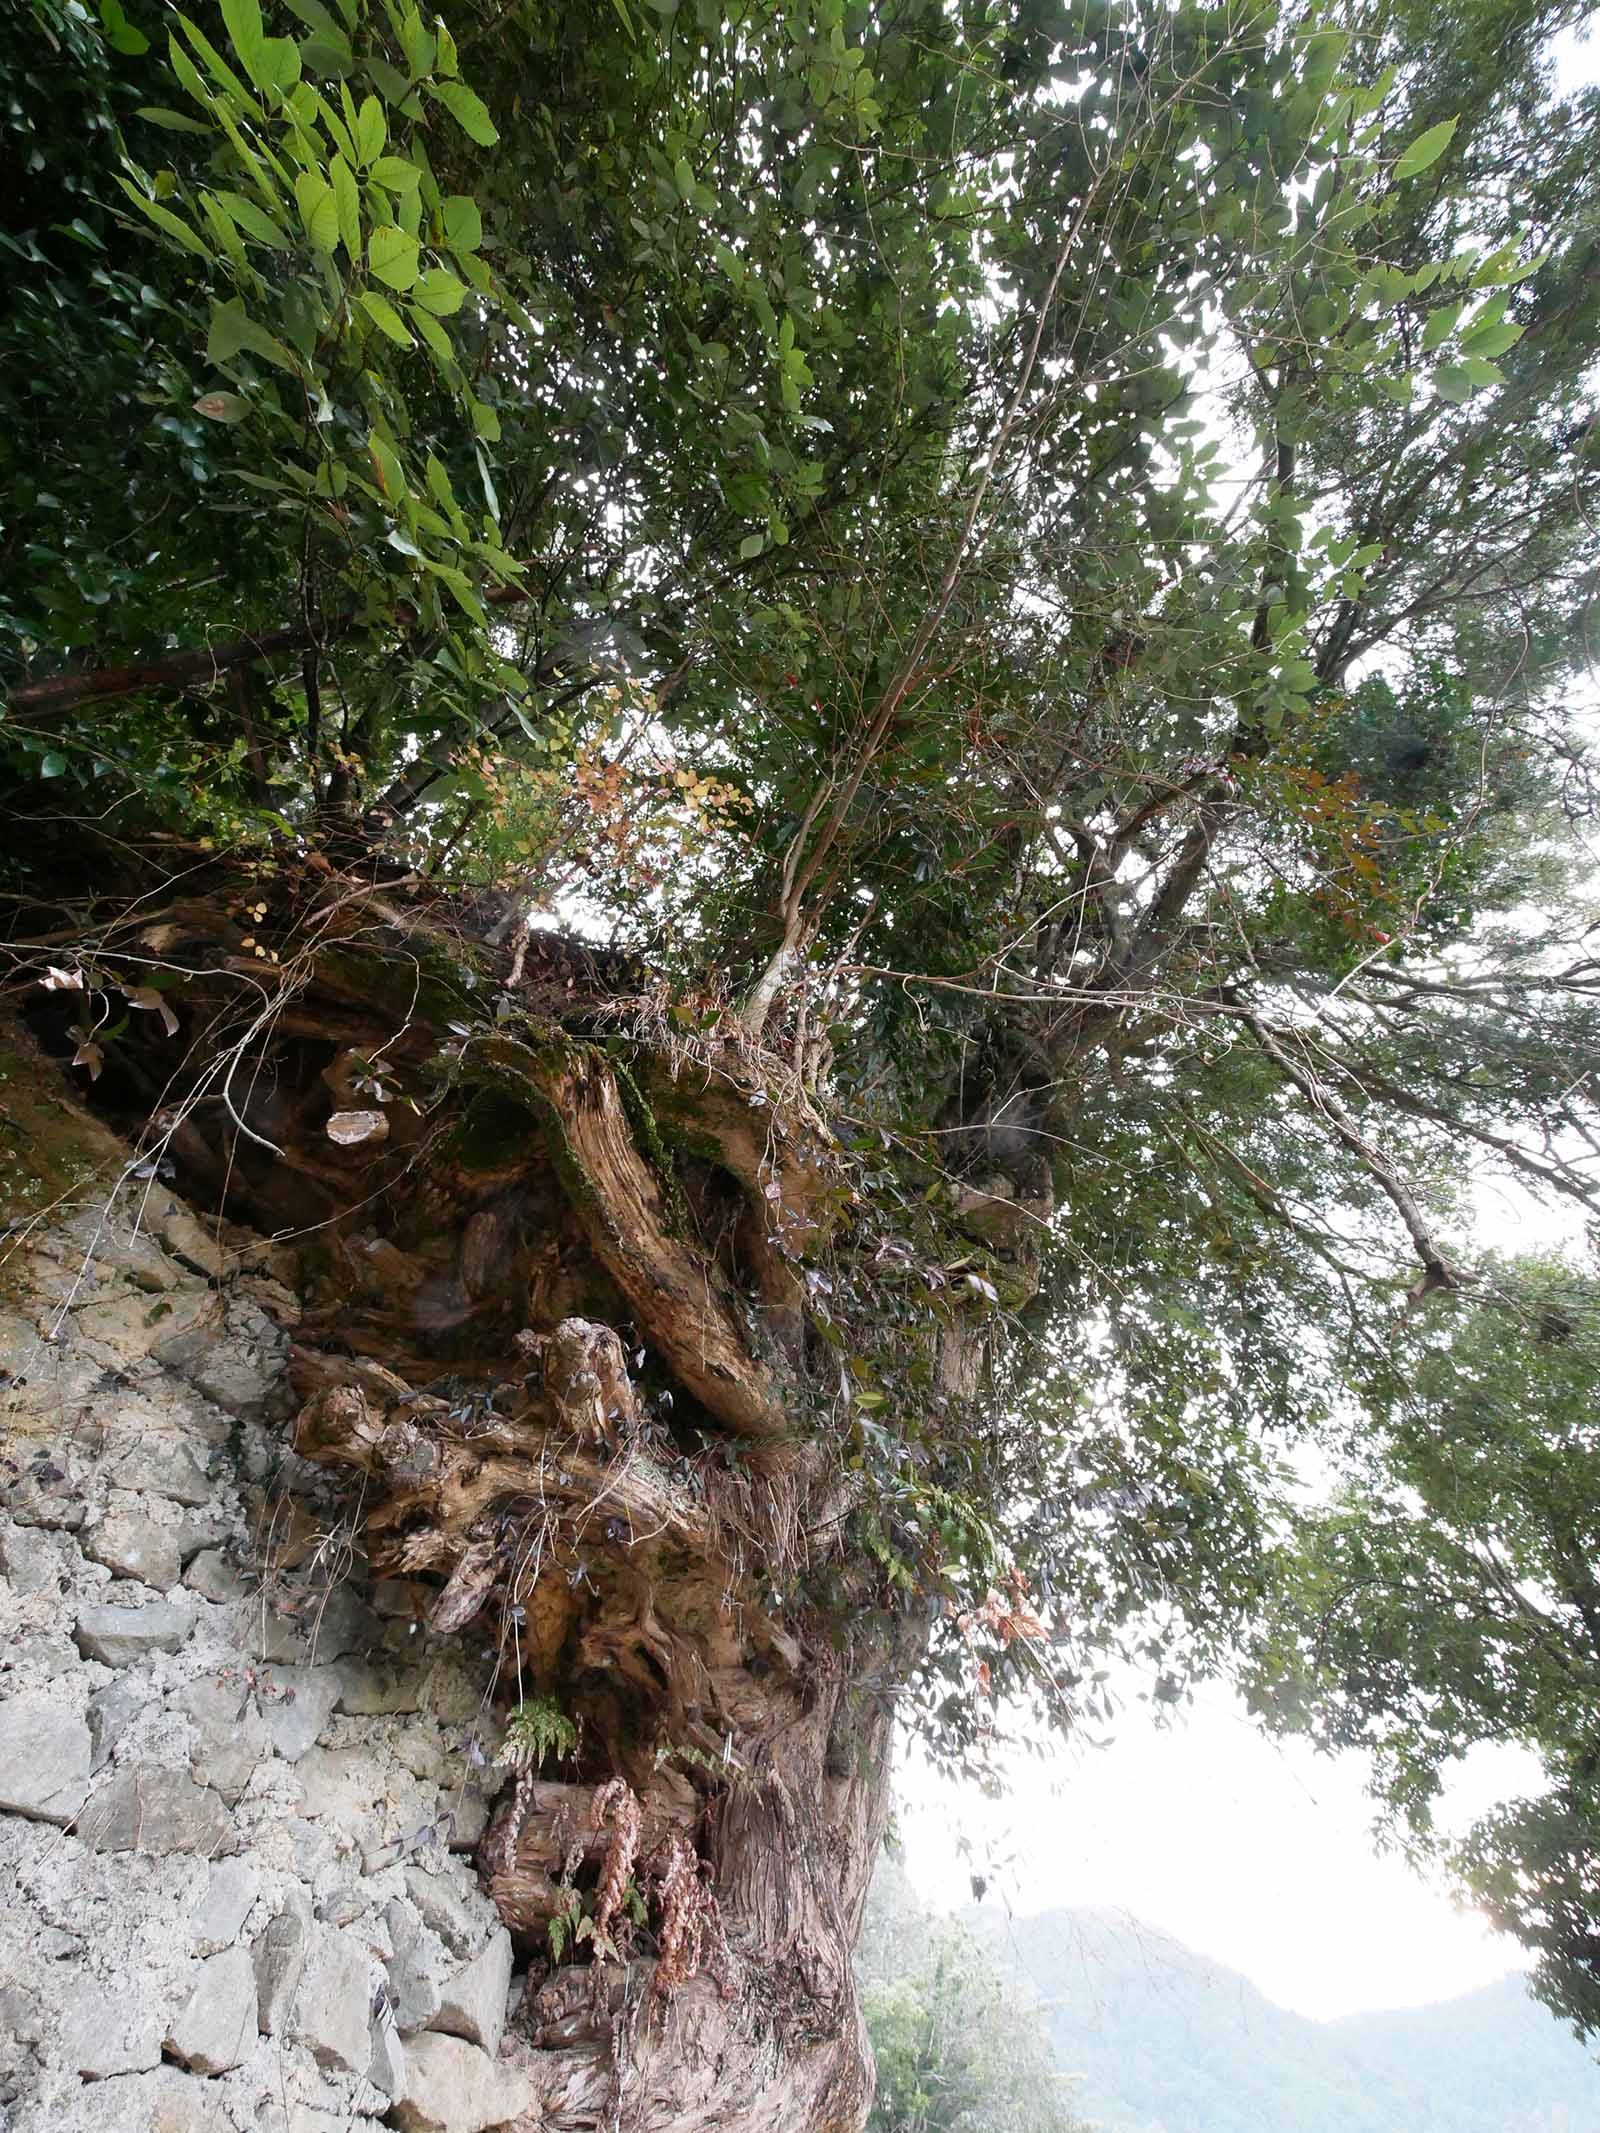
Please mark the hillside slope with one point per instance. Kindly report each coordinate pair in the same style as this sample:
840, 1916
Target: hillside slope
1167, 2041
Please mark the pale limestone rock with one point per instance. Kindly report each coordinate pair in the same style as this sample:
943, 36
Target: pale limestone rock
44, 1759
106, 2029
119, 1636
148, 1809
472, 2002
218, 1919
452, 2087
215, 2028
133, 1546
333, 2010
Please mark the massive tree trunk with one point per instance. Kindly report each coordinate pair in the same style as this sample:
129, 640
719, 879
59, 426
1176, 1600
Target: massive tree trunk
553, 1255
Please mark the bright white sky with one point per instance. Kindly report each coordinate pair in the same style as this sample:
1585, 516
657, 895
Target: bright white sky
1256, 1853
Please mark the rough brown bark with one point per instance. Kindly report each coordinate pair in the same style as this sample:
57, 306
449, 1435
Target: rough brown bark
552, 1334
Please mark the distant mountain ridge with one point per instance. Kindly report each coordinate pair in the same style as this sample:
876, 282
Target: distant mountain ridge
1168, 2041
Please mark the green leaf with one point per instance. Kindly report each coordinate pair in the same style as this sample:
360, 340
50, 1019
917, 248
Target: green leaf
233, 329
440, 292
1440, 325
383, 314
1453, 382
1493, 339
173, 121
347, 197
246, 31
463, 224
486, 421
52, 765
255, 223
439, 483
392, 256
435, 336
468, 110
120, 32
391, 475
751, 546
417, 45
371, 130
169, 224
319, 210
396, 175
1426, 149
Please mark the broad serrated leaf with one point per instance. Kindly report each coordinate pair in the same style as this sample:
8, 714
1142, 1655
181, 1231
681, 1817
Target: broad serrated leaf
468, 110
396, 175
384, 315
1426, 149
440, 292
463, 224
1492, 340
1440, 325
347, 198
417, 44
319, 210
246, 31
371, 130
392, 256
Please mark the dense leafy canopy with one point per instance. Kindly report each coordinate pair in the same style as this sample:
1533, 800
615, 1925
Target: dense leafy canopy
1032, 553
1449, 1598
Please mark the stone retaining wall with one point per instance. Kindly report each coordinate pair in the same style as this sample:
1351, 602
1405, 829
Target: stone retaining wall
236, 1785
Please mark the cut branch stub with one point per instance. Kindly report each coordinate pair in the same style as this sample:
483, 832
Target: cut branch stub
675, 1292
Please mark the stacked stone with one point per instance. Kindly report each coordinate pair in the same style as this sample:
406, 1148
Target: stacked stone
235, 1786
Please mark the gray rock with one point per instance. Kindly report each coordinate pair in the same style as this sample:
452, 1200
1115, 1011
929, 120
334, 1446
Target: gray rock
147, 1809
162, 2101
473, 2001
452, 2087
118, 1636
215, 2028
469, 1816
344, 1904
451, 1902
333, 2011
110, 1713
44, 1760
214, 1577
387, 2068
37, 1561
21, 2019
230, 1734
368, 1691
220, 1915
108, 2029
417, 1972
297, 1706
314, 1626
185, 1238
133, 1546
236, 1368
51, 1491
279, 1960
